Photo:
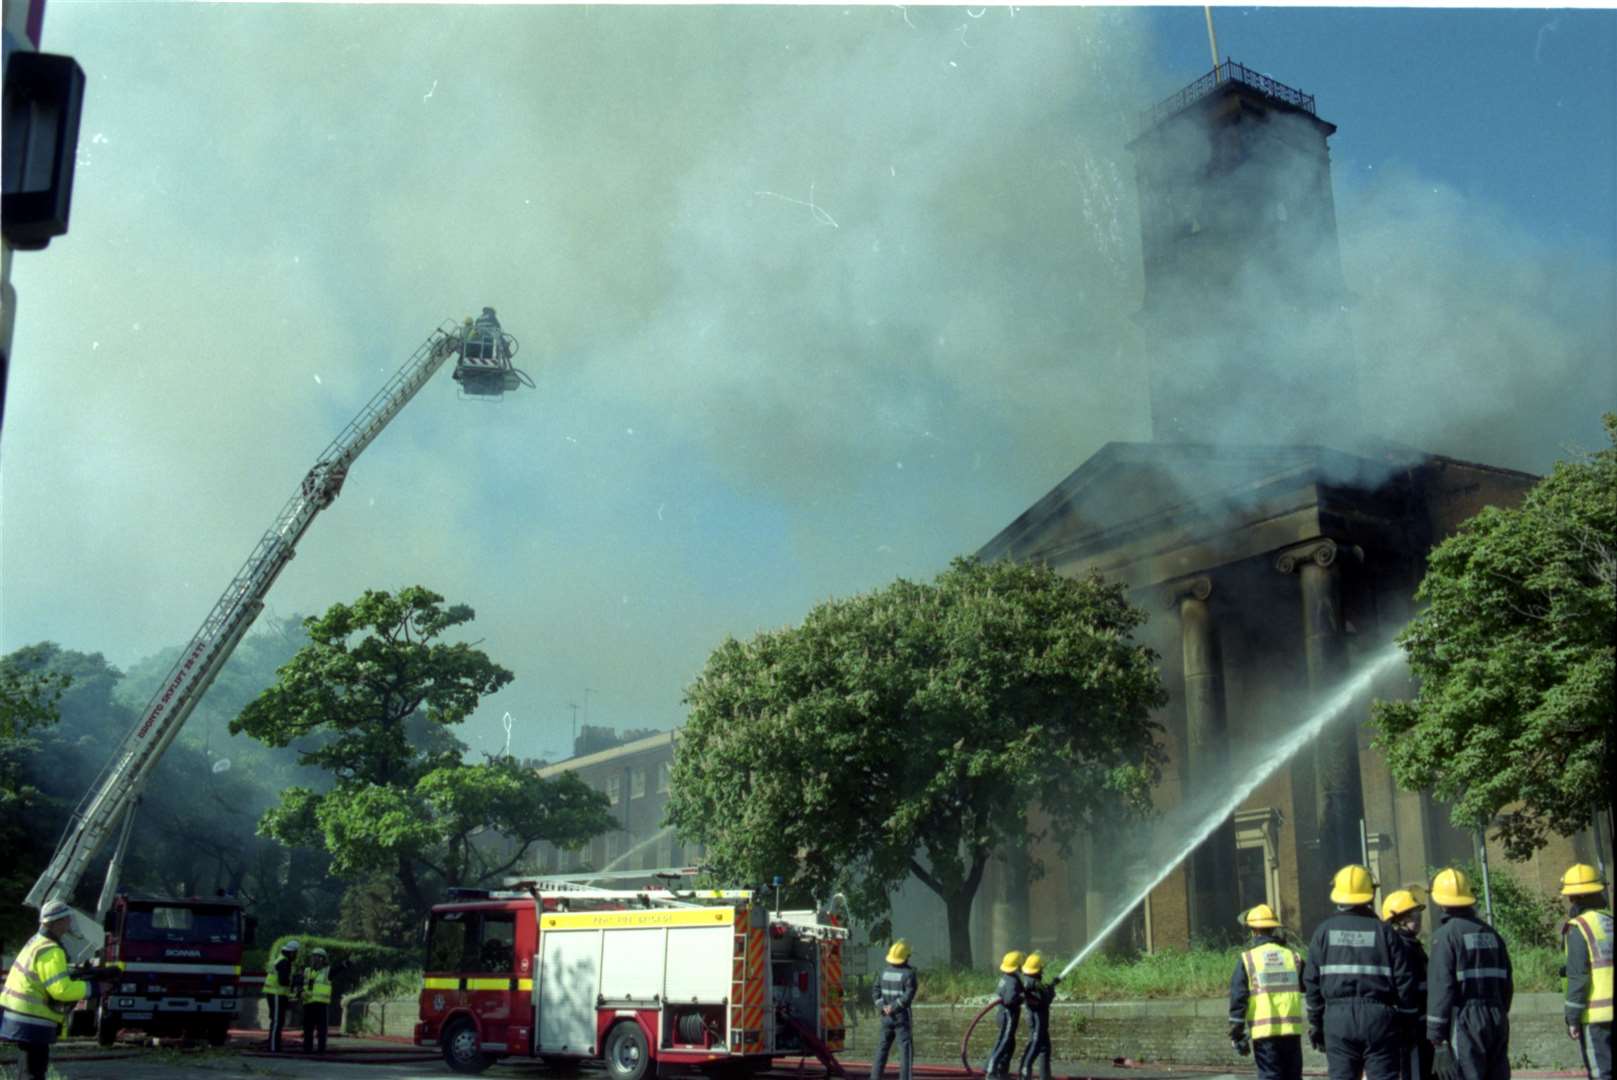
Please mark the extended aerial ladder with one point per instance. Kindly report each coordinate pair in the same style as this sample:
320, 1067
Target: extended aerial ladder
483, 353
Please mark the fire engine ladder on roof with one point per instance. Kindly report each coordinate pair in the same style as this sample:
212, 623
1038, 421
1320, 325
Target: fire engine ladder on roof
115, 791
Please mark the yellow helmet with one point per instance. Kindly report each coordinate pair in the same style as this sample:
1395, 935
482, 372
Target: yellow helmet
899, 952
1033, 965
1261, 917
1353, 885
1398, 903
1451, 888
1011, 961
1581, 879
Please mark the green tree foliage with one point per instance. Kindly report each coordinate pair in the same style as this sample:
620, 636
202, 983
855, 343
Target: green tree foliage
1515, 659
377, 691
194, 828
28, 697
909, 731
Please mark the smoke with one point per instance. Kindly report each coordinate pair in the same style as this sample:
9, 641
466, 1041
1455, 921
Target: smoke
815, 297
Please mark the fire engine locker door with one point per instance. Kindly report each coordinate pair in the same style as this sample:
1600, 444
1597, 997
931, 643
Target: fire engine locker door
569, 980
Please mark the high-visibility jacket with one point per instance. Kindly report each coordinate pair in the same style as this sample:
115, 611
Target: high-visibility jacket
39, 992
1589, 968
317, 986
1274, 1004
278, 979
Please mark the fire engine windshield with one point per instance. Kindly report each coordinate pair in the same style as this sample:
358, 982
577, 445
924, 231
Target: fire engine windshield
472, 941
162, 922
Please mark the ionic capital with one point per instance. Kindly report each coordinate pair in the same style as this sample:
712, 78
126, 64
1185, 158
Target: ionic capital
1199, 587
1321, 551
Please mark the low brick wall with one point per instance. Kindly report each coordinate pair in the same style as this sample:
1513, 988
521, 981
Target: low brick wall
1180, 1031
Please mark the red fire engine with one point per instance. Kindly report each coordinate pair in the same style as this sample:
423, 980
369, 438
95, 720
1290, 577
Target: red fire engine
643, 980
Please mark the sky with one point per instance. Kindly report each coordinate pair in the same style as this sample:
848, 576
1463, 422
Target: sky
813, 298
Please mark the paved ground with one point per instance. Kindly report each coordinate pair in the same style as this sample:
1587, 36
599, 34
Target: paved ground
366, 1059
363, 1059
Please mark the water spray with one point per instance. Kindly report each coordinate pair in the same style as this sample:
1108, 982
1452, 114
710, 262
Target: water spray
1283, 751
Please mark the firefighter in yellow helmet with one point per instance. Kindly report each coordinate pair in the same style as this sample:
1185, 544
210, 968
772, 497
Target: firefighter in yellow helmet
1402, 911
1037, 995
1266, 999
1009, 995
1469, 987
40, 992
1359, 990
1588, 967
895, 993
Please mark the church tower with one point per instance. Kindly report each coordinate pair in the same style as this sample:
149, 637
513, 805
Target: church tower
1244, 313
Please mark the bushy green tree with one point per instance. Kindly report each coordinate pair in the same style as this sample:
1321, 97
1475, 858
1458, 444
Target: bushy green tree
1515, 657
379, 690
909, 730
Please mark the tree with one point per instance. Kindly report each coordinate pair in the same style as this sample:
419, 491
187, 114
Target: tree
908, 731
28, 697
1514, 654
379, 691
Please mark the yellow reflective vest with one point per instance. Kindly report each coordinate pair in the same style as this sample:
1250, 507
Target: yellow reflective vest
39, 992
1596, 929
1274, 980
317, 986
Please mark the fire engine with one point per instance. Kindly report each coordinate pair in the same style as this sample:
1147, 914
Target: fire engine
175, 952
178, 965
643, 980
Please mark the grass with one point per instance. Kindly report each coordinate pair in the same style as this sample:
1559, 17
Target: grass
1193, 973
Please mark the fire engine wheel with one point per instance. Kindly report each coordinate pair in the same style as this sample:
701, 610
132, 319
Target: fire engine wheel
628, 1057
106, 1025
218, 1032
462, 1051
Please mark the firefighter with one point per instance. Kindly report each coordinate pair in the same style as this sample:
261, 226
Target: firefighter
40, 992
1588, 968
1266, 1000
1402, 911
316, 997
1468, 987
1357, 984
278, 986
1009, 995
1037, 996
895, 993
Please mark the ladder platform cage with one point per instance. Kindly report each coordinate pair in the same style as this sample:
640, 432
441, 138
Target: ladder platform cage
483, 365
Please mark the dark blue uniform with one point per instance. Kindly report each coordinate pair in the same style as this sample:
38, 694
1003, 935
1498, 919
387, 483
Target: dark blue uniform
1037, 995
895, 993
1360, 993
1468, 995
1009, 993
1415, 1052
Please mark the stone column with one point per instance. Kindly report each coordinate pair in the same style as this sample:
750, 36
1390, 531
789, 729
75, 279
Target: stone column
1339, 798
1212, 866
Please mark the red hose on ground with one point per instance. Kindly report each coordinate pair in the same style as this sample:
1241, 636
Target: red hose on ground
967, 1038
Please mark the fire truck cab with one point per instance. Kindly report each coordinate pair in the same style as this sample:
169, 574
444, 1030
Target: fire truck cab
179, 967
651, 981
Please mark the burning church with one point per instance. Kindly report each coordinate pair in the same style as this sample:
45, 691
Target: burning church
1275, 546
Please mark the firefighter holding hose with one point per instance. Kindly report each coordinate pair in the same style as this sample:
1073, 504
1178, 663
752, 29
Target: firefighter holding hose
1037, 996
895, 993
1009, 995
1358, 987
1588, 968
1401, 911
1266, 1000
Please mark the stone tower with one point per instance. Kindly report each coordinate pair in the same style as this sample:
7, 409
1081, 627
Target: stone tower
1244, 312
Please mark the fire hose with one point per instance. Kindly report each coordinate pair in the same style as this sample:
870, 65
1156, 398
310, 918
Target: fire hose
966, 1039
